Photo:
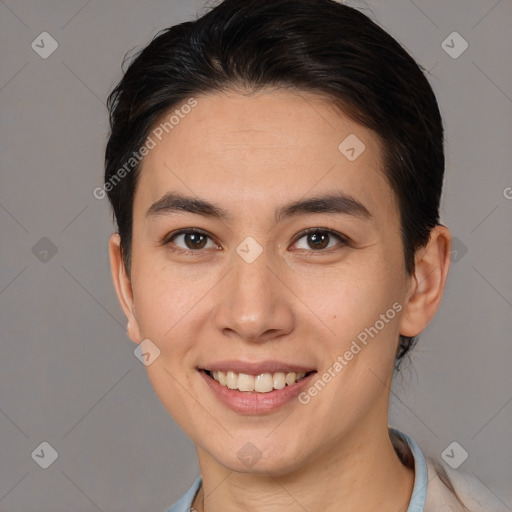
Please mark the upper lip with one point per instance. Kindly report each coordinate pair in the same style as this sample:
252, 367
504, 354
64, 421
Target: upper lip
256, 368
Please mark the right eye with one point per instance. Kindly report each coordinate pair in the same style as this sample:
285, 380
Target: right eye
193, 240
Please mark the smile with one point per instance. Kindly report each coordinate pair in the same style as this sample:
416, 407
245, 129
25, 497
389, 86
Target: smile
257, 387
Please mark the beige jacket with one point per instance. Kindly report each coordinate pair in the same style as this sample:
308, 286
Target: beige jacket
474, 494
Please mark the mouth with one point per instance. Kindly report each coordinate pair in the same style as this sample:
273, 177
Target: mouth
260, 383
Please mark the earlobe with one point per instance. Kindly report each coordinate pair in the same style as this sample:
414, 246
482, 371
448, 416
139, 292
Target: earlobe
123, 287
427, 283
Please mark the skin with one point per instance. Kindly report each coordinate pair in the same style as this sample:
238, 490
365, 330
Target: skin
250, 154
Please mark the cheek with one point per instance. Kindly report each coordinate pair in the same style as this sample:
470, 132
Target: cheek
167, 300
175, 307
168, 303
361, 311
359, 348
348, 300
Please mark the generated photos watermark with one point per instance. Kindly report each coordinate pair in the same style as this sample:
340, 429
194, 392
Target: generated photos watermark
151, 142
343, 359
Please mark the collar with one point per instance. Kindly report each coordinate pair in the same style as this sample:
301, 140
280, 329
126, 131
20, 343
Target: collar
419, 491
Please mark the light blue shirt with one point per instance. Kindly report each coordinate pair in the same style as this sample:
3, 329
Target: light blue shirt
416, 504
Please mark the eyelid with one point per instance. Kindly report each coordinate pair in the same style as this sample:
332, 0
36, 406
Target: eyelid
169, 236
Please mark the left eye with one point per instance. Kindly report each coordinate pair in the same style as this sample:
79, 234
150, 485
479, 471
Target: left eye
319, 239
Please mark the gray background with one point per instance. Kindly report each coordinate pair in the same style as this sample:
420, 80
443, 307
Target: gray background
68, 375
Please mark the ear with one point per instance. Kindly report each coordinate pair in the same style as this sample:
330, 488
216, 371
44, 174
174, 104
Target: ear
123, 287
427, 283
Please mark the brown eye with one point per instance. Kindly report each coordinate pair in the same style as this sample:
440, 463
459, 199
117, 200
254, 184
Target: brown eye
195, 240
318, 239
191, 240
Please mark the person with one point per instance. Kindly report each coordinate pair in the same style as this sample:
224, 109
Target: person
275, 170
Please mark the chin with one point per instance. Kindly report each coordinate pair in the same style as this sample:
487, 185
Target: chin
258, 457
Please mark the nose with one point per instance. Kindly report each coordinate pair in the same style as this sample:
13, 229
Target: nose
254, 303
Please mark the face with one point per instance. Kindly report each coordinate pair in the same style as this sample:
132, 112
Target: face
236, 283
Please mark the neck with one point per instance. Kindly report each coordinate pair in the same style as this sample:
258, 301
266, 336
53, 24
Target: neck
362, 473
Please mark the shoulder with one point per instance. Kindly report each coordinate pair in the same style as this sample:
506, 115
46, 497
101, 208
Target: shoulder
473, 493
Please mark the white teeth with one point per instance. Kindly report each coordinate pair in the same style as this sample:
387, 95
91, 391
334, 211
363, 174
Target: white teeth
245, 382
232, 380
262, 383
290, 378
279, 380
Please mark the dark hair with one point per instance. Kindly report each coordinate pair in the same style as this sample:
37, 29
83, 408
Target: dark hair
318, 46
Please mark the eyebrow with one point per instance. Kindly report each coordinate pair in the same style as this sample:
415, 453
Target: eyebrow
336, 203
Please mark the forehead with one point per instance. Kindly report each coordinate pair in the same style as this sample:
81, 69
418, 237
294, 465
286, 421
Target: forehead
244, 150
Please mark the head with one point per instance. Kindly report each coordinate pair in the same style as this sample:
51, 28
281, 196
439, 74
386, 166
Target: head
246, 128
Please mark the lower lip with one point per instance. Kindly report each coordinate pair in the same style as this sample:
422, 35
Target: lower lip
252, 402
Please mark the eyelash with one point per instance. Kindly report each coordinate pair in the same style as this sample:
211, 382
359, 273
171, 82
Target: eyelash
167, 240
